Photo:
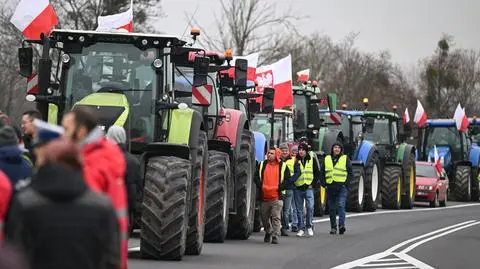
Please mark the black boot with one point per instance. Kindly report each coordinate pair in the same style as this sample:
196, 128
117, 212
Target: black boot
283, 232
267, 238
275, 240
333, 231
342, 229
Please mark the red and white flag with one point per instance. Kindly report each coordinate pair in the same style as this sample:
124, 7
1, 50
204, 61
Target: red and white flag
278, 76
420, 115
122, 20
32, 84
303, 75
406, 117
34, 17
461, 119
438, 164
252, 65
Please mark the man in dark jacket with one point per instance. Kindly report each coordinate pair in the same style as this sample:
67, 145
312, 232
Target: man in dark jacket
271, 178
132, 176
305, 178
58, 222
336, 172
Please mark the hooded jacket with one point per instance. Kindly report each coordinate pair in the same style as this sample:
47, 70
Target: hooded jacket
13, 164
335, 160
298, 171
281, 185
58, 222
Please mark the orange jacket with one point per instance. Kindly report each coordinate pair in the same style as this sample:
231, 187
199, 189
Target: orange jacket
5, 196
104, 171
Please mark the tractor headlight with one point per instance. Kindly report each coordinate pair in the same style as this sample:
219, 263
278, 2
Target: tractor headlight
65, 58
182, 106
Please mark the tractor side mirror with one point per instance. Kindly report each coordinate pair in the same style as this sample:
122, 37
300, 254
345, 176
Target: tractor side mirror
267, 100
313, 116
241, 70
369, 123
25, 61
200, 71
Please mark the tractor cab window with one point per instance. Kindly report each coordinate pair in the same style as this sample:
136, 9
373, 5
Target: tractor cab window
447, 136
260, 123
300, 118
344, 125
380, 133
395, 131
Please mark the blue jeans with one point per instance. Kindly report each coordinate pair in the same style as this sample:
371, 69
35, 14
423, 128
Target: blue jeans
288, 205
337, 198
308, 197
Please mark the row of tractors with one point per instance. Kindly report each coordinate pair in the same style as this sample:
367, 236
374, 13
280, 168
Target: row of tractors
199, 133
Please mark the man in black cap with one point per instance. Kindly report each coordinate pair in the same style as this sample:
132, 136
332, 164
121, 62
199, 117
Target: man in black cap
336, 172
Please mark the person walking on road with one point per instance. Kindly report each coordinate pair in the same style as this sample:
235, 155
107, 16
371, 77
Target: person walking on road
271, 178
103, 165
288, 202
305, 181
336, 172
58, 221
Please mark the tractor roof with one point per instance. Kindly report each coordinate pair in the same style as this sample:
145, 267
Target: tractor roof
344, 112
380, 113
153, 40
441, 122
303, 88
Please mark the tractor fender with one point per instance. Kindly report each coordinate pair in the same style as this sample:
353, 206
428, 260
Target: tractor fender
474, 155
220, 145
462, 163
231, 126
162, 149
364, 152
404, 151
260, 146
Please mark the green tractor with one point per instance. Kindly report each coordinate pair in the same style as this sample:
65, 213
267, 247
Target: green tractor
396, 159
128, 79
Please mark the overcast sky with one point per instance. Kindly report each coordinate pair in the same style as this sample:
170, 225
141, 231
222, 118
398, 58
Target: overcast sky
409, 29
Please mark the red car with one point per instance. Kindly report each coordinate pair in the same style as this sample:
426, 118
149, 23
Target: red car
431, 186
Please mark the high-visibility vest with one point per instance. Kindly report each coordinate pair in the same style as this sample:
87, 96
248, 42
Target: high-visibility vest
282, 172
291, 165
337, 173
306, 176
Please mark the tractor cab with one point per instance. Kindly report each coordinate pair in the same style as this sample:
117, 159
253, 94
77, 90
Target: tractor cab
282, 125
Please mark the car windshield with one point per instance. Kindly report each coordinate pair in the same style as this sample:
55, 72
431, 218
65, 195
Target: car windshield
426, 171
260, 123
300, 112
380, 133
121, 67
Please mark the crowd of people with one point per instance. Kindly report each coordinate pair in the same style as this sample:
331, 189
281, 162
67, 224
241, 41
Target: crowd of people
288, 180
65, 193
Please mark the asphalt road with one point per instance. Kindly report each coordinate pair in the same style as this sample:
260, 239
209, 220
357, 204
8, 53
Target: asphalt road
418, 238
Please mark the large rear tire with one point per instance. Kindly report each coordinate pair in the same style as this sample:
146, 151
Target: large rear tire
196, 219
372, 184
475, 185
240, 225
356, 190
409, 176
391, 187
218, 181
164, 219
462, 190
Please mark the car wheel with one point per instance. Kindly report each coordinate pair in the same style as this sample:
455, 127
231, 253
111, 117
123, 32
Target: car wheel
434, 203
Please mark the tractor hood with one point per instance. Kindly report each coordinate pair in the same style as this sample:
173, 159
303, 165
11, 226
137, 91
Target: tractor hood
443, 153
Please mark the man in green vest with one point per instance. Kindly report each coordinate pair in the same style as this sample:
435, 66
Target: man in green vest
305, 178
271, 178
288, 202
336, 172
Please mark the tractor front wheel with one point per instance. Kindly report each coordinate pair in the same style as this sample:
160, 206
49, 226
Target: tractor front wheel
409, 175
356, 190
462, 190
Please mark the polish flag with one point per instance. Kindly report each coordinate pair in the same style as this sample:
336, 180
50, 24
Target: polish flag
420, 115
34, 17
303, 75
278, 76
122, 20
438, 164
406, 117
252, 65
461, 119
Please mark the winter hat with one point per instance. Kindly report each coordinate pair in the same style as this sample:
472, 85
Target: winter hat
46, 132
117, 134
337, 144
284, 146
8, 137
303, 146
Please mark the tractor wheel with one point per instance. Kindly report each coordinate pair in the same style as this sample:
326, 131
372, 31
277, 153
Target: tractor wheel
240, 225
320, 202
196, 219
356, 190
218, 182
462, 190
409, 175
372, 184
164, 219
475, 186
391, 187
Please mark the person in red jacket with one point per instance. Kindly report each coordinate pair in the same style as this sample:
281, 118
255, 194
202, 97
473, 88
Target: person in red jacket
104, 165
5, 195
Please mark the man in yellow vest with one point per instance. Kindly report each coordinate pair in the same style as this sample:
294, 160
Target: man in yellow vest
336, 172
305, 178
288, 202
271, 178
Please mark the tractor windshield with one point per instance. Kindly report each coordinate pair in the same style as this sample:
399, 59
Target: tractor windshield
300, 113
101, 66
260, 123
380, 133
344, 125
442, 136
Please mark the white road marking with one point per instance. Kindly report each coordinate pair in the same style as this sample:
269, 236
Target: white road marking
403, 260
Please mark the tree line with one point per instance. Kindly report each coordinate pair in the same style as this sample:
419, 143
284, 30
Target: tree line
450, 75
